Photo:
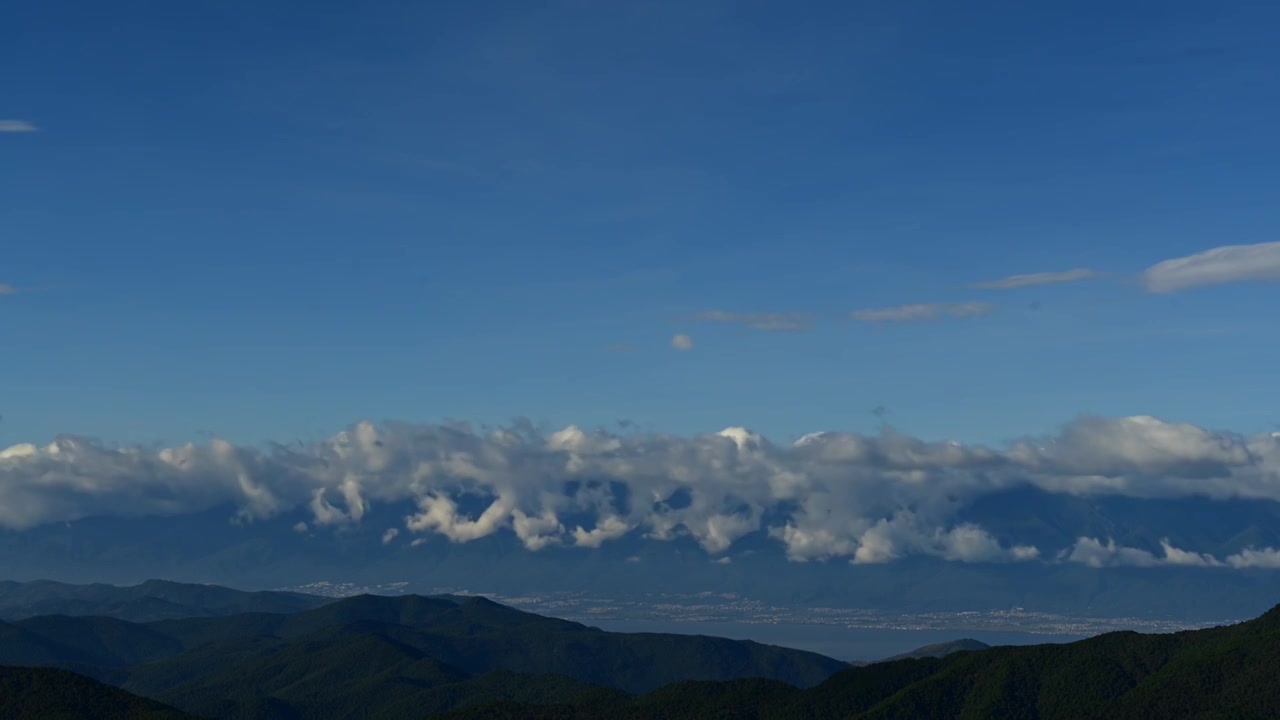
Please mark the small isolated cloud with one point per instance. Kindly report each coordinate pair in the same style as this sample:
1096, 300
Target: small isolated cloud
389, 535
681, 342
300, 527
8, 289
1221, 265
726, 560
1031, 280
923, 311
768, 321
16, 126
633, 559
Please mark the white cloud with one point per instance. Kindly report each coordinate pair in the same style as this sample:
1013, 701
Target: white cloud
726, 560
16, 126
681, 342
769, 321
923, 311
1034, 279
1092, 552
608, 528
1253, 558
864, 498
1226, 264
904, 534
389, 535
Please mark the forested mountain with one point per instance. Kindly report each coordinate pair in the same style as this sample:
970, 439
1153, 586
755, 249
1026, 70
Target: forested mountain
374, 657
51, 694
1224, 672
371, 656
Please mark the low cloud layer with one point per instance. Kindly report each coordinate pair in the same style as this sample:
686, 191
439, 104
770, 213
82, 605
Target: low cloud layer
1221, 265
1095, 553
923, 311
833, 495
770, 321
1033, 279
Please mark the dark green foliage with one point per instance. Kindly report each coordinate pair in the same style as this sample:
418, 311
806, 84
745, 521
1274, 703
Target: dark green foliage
1225, 672
372, 658
384, 657
49, 694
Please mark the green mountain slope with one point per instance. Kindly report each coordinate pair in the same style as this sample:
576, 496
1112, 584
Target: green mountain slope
373, 657
49, 694
1224, 672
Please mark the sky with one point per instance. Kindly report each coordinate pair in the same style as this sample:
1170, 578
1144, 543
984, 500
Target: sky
268, 221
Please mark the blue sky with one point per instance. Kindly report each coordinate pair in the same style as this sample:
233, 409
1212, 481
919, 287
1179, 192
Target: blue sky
269, 220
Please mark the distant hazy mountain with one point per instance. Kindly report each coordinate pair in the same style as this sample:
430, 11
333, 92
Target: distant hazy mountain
274, 553
151, 600
935, 650
384, 656
1224, 672
938, 650
51, 694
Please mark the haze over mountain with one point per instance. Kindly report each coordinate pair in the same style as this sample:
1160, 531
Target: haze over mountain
151, 600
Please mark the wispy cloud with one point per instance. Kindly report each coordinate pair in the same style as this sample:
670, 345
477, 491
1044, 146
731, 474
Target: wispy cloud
1033, 279
681, 342
8, 289
923, 311
16, 126
769, 321
1218, 266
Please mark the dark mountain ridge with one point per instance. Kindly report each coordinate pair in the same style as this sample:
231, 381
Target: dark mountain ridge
366, 654
1223, 672
147, 601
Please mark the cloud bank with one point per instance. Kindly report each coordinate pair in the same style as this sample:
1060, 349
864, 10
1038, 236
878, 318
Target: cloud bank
1033, 279
1095, 553
923, 311
1220, 265
830, 495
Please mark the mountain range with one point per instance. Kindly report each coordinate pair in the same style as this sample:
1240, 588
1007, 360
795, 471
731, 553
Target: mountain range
374, 656
1127, 574
456, 658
